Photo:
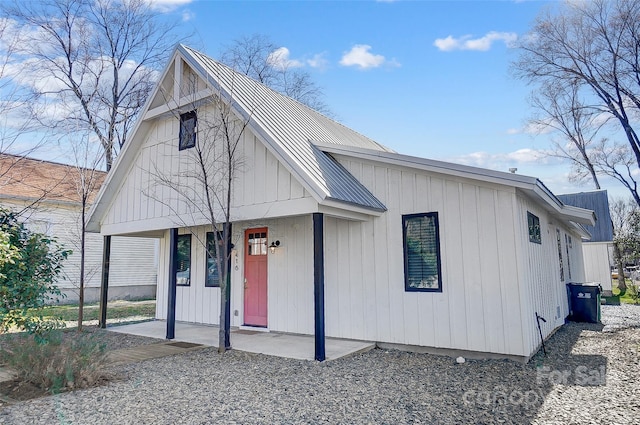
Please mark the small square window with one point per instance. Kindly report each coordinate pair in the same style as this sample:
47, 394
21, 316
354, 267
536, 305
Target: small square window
183, 261
213, 274
422, 270
188, 130
534, 228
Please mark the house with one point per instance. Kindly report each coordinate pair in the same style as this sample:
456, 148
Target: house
46, 194
598, 250
365, 243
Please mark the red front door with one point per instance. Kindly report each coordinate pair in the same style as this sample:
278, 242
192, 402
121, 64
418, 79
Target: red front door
255, 277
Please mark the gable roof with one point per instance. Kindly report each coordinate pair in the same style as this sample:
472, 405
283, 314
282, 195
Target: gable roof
30, 179
284, 125
302, 140
533, 187
287, 126
598, 201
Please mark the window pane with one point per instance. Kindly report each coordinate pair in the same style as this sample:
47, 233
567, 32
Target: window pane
257, 243
213, 275
422, 252
187, 130
533, 223
183, 259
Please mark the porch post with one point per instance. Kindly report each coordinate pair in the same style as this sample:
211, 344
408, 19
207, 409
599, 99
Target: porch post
173, 267
104, 281
227, 301
318, 284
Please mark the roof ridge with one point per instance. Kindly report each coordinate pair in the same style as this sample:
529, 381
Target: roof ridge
288, 98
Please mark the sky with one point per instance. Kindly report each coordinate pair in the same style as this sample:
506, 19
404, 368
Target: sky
425, 78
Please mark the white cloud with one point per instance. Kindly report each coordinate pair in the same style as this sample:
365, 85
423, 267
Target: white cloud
318, 61
279, 59
360, 56
187, 15
504, 161
167, 5
479, 44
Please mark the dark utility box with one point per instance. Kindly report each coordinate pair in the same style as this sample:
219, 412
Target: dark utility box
584, 302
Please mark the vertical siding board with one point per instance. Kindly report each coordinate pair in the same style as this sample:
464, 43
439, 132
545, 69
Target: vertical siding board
472, 269
271, 178
344, 271
284, 183
395, 268
508, 235
259, 164
491, 259
381, 268
454, 286
357, 291
442, 329
369, 281
249, 171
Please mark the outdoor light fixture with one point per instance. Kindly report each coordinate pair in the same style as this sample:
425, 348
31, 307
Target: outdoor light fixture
273, 246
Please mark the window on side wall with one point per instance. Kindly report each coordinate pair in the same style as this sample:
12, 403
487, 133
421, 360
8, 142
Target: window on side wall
421, 240
213, 274
534, 228
188, 127
183, 260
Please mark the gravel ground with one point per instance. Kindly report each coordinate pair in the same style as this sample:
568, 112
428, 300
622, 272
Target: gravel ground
591, 374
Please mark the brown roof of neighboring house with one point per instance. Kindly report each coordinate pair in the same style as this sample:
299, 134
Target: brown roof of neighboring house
36, 179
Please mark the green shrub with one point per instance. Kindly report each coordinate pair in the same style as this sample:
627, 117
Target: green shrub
56, 360
29, 265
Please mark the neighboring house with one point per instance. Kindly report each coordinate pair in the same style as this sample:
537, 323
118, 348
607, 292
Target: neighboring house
597, 251
373, 245
45, 192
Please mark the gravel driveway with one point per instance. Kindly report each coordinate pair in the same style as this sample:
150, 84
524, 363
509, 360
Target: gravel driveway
590, 375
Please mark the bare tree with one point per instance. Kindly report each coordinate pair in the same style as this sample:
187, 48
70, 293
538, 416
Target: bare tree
560, 109
203, 181
261, 59
92, 63
15, 117
87, 178
594, 45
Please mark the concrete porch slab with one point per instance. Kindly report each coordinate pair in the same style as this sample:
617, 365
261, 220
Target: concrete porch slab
271, 343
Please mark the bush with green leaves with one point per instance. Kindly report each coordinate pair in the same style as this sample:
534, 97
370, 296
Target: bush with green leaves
29, 265
57, 360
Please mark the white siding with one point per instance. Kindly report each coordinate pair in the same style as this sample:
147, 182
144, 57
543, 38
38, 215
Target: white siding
290, 278
479, 307
544, 292
262, 187
597, 266
133, 260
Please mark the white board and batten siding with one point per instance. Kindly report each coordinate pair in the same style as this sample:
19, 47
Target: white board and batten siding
478, 309
290, 277
597, 264
262, 187
133, 260
543, 290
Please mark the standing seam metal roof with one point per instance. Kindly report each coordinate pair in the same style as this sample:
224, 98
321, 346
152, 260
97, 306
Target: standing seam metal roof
291, 125
598, 202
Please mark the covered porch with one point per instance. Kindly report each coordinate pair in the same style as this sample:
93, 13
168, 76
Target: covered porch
278, 344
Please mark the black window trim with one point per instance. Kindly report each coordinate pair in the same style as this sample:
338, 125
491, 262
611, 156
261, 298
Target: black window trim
406, 217
182, 144
532, 237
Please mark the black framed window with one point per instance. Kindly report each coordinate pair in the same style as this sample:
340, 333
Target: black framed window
533, 222
421, 240
213, 274
188, 129
183, 259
